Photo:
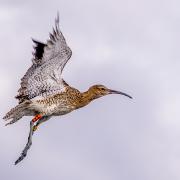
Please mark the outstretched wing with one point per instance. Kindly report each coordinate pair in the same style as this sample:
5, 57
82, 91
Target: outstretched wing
44, 76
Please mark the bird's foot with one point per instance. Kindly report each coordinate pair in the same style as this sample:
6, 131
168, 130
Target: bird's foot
35, 127
36, 118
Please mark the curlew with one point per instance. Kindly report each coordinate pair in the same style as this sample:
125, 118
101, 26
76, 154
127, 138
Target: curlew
44, 93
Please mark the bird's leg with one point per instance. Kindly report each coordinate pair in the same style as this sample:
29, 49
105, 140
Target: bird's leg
38, 117
43, 119
29, 143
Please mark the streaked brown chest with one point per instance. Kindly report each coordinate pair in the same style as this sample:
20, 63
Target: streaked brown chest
69, 98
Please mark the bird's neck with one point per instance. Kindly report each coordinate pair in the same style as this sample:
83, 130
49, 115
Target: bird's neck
86, 98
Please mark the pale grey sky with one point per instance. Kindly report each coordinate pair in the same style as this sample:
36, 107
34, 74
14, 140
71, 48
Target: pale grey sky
132, 46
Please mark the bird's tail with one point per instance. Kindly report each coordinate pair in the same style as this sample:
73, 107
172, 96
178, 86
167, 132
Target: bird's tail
17, 112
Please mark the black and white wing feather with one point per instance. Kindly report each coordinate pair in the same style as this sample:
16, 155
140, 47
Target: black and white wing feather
44, 76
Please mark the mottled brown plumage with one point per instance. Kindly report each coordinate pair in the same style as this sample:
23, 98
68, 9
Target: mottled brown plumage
43, 91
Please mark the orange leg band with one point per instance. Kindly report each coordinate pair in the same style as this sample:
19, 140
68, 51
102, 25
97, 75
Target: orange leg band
36, 118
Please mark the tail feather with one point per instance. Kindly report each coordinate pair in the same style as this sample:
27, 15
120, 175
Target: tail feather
17, 112
15, 119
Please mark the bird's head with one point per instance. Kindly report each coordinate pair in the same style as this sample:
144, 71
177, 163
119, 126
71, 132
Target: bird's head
101, 90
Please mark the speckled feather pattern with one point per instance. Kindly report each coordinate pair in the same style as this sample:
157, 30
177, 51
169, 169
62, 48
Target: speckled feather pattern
60, 103
44, 76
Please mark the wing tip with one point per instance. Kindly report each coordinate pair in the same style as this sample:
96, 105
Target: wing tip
57, 19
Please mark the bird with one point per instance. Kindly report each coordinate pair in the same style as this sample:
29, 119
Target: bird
44, 93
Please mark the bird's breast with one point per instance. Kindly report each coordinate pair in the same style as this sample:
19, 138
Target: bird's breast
56, 105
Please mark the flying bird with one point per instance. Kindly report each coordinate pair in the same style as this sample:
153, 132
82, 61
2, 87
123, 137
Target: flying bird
44, 93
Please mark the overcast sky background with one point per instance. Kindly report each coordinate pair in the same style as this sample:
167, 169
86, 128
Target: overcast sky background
132, 46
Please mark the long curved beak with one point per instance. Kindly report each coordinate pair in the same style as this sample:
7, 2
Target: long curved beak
118, 92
